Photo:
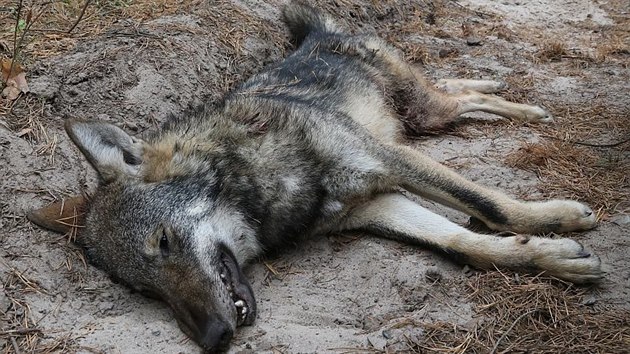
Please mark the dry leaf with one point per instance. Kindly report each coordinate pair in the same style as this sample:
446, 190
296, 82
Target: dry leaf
11, 92
6, 67
15, 79
20, 80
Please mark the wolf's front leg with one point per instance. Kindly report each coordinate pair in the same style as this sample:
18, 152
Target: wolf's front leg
394, 216
425, 177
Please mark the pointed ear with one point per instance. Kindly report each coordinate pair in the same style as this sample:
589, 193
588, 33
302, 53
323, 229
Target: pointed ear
65, 216
112, 152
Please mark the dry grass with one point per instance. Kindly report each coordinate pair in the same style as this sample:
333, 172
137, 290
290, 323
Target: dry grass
49, 34
18, 329
520, 88
19, 332
612, 47
553, 50
585, 156
24, 117
400, 22
529, 314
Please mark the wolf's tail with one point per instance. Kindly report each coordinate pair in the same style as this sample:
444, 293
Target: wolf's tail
302, 19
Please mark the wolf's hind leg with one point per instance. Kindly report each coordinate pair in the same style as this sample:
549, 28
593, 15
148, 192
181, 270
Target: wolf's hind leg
473, 95
421, 175
394, 216
431, 108
454, 86
471, 101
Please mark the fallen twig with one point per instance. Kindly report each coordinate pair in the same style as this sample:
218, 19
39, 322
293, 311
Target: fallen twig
15, 346
19, 332
87, 2
18, 13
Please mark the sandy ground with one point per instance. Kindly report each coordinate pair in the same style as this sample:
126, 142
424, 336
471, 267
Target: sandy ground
335, 294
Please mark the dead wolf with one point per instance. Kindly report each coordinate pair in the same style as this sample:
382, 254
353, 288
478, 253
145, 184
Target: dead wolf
309, 146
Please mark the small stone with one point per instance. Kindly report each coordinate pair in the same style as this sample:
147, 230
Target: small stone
517, 279
473, 41
447, 52
432, 275
4, 302
131, 126
105, 306
377, 342
467, 270
589, 301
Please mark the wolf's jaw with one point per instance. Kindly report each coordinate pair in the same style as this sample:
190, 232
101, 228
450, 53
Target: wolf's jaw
241, 306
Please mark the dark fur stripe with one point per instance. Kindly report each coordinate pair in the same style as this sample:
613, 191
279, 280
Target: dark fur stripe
478, 202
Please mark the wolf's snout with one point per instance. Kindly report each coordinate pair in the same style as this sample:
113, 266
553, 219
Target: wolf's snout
214, 334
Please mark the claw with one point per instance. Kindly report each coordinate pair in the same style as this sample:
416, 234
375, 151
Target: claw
583, 254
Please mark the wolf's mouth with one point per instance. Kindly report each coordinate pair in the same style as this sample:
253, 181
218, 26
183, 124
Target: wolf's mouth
239, 290
242, 308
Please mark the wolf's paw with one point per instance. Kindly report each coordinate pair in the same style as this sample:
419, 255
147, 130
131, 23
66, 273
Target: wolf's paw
538, 114
563, 216
566, 259
495, 86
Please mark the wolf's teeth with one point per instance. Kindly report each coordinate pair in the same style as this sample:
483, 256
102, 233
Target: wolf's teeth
222, 276
239, 303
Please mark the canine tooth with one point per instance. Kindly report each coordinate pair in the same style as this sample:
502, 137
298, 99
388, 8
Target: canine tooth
222, 276
244, 310
239, 303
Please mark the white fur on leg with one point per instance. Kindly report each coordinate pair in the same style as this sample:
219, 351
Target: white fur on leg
474, 101
563, 258
454, 86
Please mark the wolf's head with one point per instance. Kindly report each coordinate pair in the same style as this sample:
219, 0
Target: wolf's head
174, 237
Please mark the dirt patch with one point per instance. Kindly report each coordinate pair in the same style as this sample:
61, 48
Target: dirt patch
134, 66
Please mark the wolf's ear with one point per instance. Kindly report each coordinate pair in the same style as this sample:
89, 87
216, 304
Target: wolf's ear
64, 217
112, 152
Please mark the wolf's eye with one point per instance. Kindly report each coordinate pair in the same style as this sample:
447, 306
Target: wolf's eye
164, 245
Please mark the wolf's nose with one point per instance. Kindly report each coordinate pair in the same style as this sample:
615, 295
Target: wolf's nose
216, 337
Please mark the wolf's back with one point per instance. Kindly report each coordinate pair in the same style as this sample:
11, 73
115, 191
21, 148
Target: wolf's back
302, 19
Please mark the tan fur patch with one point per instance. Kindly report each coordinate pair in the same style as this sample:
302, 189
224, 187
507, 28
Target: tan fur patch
169, 157
157, 161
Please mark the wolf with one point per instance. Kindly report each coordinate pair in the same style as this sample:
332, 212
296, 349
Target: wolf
312, 145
